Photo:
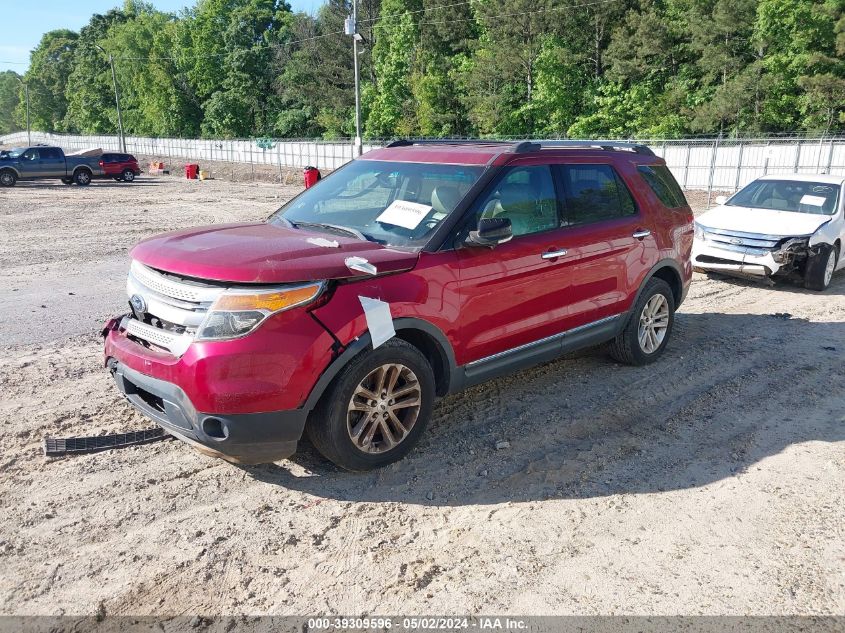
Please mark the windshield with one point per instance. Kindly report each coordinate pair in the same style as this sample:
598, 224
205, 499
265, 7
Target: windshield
397, 204
15, 152
818, 198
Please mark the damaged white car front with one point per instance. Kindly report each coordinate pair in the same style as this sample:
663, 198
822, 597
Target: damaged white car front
776, 226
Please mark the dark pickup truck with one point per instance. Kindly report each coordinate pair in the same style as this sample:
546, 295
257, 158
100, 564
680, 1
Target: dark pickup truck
40, 162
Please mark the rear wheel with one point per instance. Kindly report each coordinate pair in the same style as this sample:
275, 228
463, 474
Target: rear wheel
820, 267
8, 178
82, 177
649, 326
376, 408
128, 175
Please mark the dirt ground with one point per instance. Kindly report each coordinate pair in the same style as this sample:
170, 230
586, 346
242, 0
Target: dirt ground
708, 483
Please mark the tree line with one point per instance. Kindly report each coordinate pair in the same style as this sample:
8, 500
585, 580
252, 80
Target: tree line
623, 68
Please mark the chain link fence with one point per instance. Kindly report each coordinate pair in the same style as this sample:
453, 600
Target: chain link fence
698, 164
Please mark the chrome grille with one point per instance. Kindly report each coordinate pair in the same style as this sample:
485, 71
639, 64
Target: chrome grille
738, 242
176, 308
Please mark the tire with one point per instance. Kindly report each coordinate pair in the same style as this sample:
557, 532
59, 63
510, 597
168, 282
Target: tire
128, 175
67, 181
82, 177
634, 346
334, 422
820, 267
8, 178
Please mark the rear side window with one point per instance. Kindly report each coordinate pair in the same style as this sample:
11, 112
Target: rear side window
593, 193
51, 153
664, 185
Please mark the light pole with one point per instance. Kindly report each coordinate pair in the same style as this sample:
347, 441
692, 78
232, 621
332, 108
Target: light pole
116, 99
352, 29
28, 130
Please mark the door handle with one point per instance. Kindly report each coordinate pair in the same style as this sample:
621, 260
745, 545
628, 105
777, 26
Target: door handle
642, 233
554, 254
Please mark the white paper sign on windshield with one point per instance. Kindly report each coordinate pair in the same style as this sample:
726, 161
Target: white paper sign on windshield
406, 214
816, 201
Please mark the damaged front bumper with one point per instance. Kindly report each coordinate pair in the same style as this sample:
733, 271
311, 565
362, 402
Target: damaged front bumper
756, 255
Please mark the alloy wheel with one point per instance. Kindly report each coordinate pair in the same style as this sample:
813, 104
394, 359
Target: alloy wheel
654, 322
828, 269
384, 408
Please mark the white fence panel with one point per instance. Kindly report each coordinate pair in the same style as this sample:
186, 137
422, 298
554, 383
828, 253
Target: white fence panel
723, 164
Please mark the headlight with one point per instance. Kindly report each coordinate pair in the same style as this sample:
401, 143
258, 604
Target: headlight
238, 312
699, 231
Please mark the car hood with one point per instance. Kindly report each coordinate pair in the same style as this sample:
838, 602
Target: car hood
762, 221
264, 253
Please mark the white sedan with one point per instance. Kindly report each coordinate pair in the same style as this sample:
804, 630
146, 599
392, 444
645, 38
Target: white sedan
776, 225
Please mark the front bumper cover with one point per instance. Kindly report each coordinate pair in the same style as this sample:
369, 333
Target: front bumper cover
248, 438
742, 261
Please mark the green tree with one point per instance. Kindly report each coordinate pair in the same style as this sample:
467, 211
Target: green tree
50, 64
316, 83
232, 47
89, 93
9, 99
393, 107
156, 97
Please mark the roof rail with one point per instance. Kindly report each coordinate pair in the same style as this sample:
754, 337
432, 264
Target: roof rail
607, 145
404, 142
523, 147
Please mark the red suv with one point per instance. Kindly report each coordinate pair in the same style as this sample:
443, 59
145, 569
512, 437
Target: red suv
413, 272
119, 166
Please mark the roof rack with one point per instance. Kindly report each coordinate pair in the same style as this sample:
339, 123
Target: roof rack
606, 145
522, 147
404, 142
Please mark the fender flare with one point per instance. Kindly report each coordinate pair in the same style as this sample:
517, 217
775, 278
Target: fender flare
364, 341
11, 169
81, 167
663, 263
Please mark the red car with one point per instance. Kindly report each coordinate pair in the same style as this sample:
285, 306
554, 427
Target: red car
413, 272
119, 166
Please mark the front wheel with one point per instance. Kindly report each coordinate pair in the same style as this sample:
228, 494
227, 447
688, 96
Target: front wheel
82, 177
820, 267
376, 408
128, 175
649, 326
8, 179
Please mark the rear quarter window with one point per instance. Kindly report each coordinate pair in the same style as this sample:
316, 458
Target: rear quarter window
664, 185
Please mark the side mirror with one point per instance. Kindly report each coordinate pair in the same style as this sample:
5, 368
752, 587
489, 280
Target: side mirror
721, 199
491, 232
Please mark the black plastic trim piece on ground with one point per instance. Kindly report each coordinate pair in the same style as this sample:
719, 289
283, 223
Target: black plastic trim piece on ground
54, 447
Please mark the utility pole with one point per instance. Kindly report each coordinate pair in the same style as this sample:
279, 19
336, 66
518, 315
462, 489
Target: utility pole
28, 130
116, 99
351, 28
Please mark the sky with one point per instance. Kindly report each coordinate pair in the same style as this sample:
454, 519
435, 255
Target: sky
25, 21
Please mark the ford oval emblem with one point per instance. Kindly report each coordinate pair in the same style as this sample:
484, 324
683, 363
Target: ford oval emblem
139, 306
733, 240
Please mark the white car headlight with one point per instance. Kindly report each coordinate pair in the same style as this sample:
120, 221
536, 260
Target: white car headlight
238, 312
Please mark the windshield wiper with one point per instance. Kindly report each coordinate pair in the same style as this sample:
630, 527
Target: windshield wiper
333, 227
